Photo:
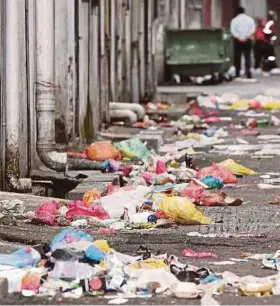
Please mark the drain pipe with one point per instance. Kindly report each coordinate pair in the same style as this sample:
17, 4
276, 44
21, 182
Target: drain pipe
137, 108
127, 115
13, 95
45, 94
45, 86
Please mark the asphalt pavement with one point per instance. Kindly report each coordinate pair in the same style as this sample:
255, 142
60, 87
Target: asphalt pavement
253, 226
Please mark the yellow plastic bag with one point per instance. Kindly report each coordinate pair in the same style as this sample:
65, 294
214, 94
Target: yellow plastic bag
149, 263
182, 211
272, 105
241, 104
193, 135
103, 246
236, 168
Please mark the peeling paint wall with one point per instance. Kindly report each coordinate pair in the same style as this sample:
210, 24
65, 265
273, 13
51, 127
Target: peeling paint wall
105, 50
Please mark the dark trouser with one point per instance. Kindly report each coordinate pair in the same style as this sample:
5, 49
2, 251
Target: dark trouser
258, 53
239, 49
269, 57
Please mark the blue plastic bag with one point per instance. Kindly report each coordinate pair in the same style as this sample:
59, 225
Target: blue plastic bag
68, 236
26, 257
93, 253
212, 182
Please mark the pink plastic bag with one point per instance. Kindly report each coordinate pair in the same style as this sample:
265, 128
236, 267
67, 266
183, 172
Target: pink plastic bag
78, 209
160, 167
148, 176
47, 212
212, 199
218, 171
187, 252
212, 120
193, 190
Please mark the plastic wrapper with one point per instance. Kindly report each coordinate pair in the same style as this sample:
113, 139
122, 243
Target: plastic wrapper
94, 253
25, 257
212, 182
31, 281
241, 105
272, 105
186, 290
101, 151
72, 270
160, 167
132, 149
149, 263
91, 195
162, 179
47, 212
218, 171
148, 176
212, 199
78, 209
182, 211
194, 190
69, 236
236, 168
187, 252
256, 289
112, 165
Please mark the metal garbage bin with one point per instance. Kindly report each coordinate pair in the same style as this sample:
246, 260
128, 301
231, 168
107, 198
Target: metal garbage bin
197, 52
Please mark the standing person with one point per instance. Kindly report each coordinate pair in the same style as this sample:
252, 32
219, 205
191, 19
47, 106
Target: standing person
259, 45
270, 39
242, 29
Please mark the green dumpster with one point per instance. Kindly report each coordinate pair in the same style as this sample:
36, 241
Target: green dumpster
197, 52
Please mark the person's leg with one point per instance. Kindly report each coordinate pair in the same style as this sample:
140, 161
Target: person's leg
237, 56
258, 54
247, 53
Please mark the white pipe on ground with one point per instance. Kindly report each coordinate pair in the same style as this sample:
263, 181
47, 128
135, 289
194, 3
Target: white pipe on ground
137, 108
13, 105
126, 115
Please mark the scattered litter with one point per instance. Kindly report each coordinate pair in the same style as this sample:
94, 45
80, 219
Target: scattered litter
222, 263
190, 253
118, 301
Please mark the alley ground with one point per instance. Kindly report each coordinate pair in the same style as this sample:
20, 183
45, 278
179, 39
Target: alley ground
255, 217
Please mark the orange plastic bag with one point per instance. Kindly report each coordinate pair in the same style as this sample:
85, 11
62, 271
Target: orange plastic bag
101, 151
91, 195
218, 171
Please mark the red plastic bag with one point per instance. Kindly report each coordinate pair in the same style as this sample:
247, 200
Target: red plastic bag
218, 171
193, 190
47, 212
101, 151
79, 209
161, 167
187, 252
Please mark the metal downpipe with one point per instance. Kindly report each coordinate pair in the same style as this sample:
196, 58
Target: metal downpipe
12, 97
45, 94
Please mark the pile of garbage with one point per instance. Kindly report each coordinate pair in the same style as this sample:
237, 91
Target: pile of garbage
231, 101
160, 191
75, 265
